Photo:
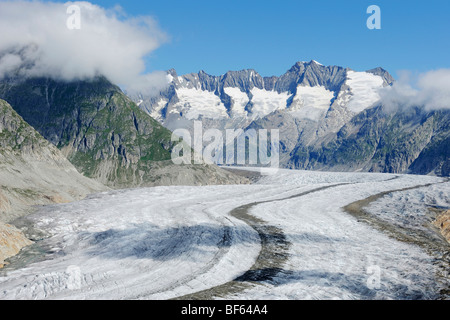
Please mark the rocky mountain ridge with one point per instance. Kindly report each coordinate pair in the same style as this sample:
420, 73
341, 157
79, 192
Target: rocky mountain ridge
329, 117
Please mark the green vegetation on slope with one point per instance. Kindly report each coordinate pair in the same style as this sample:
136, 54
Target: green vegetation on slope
102, 132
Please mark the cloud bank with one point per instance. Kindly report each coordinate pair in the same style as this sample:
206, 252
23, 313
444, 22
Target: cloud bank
430, 90
36, 41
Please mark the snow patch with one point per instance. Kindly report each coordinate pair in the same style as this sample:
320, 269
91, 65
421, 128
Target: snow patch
311, 102
196, 103
240, 101
156, 112
265, 102
365, 90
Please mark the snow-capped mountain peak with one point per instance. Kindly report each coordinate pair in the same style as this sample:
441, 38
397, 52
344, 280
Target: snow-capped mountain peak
308, 90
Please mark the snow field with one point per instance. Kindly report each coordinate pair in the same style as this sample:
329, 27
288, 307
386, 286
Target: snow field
365, 89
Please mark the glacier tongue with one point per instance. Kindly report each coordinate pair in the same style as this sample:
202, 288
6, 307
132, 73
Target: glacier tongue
166, 242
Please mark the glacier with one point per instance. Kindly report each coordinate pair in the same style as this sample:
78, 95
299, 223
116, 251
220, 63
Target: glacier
173, 242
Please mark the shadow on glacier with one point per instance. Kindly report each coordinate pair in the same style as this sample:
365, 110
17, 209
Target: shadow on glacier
147, 241
354, 284
318, 280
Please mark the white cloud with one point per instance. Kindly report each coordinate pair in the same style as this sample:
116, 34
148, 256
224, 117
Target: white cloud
435, 89
35, 36
430, 90
9, 62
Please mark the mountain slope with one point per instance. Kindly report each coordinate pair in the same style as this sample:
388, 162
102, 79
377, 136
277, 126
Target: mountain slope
100, 130
407, 141
11, 242
32, 171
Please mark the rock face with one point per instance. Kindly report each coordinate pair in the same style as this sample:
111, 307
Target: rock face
100, 130
11, 242
32, 171
443, 223
409, 141
329, 117
104, 134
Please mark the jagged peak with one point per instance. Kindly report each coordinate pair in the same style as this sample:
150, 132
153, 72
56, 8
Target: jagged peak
243, 72
306, 63
315, 62
172, 72
382, 73
310, 73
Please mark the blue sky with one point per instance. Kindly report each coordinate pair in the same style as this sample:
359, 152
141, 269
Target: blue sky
270, 36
